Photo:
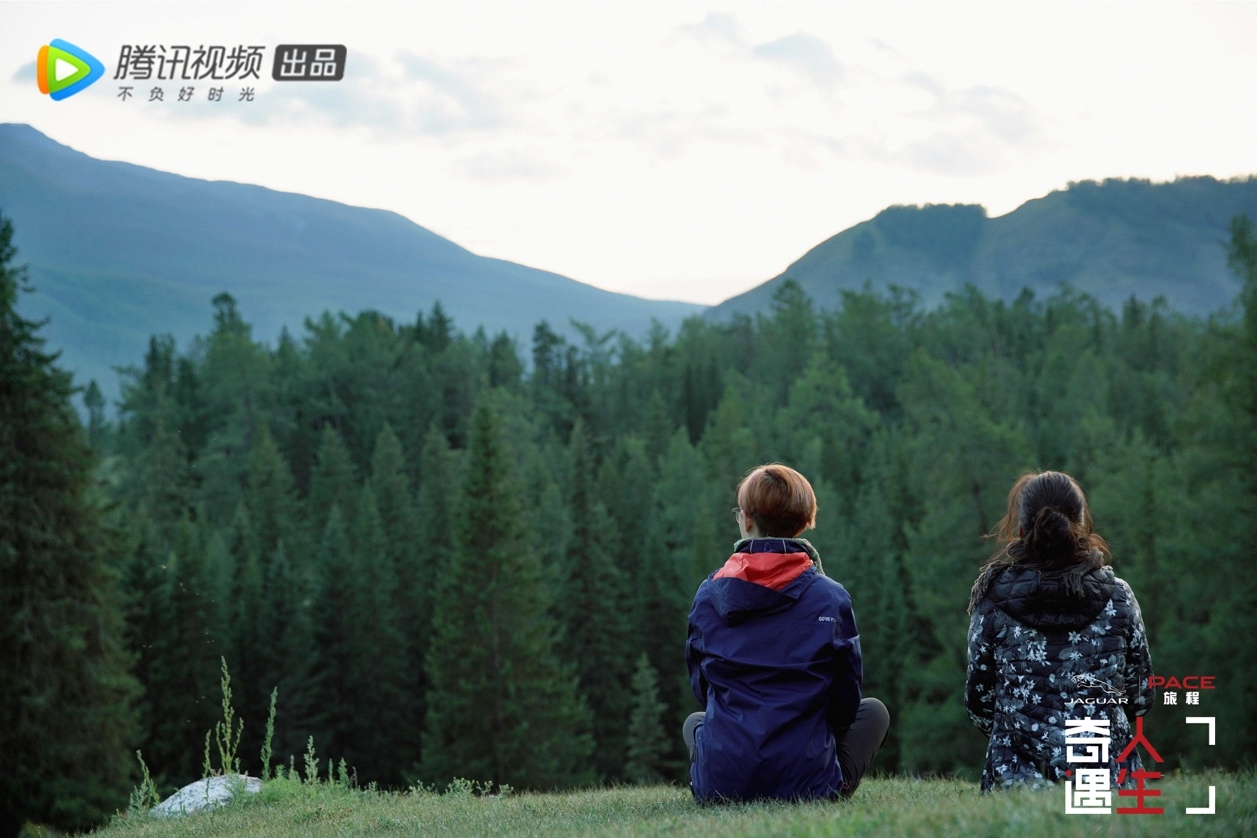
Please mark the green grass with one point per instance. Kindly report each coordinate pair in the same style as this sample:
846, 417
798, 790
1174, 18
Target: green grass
890, 806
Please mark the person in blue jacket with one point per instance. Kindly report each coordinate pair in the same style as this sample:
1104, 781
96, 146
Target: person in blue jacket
774, 660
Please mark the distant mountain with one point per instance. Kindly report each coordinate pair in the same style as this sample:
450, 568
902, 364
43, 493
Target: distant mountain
119, 252
1112, 240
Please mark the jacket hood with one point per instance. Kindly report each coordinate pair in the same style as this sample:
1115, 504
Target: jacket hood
764, 576
1044, 601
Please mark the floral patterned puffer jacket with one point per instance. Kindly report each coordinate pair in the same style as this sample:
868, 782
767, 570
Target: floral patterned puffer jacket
1040, 654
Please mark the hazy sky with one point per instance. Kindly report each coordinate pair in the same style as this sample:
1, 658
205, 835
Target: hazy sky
673, 150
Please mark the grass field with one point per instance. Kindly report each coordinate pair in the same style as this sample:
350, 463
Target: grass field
889, 806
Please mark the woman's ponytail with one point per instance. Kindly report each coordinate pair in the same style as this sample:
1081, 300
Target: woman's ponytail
1051, 534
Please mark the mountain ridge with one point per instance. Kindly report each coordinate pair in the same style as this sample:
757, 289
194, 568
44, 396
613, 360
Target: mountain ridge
118, 252
1111, 239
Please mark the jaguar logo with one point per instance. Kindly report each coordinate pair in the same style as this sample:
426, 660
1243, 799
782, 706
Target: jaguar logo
1086, 680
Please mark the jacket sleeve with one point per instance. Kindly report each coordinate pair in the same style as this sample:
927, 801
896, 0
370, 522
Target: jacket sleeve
845, 694
694, 658
1139, 695
980, 680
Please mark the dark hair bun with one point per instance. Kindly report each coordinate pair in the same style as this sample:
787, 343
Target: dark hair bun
1051, 534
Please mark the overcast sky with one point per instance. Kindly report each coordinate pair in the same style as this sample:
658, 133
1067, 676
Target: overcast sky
672, 150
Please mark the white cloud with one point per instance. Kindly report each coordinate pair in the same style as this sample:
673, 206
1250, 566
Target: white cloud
963, 132
999, 111
804, 54
716, 28
810, 57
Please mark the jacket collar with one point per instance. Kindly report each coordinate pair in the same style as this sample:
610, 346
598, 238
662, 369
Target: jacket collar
1046, 601
771, 562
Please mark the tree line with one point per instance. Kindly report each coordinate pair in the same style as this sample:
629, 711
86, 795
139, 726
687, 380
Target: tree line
455, 561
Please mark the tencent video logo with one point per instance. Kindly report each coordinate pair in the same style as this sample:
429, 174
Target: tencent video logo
63, 69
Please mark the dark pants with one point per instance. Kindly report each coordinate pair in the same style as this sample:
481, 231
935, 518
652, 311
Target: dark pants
856, 747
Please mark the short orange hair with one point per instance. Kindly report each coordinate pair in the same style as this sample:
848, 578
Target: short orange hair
778, 499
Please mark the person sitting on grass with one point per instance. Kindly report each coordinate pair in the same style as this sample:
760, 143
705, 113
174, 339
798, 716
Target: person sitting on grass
1053, 636
774, 660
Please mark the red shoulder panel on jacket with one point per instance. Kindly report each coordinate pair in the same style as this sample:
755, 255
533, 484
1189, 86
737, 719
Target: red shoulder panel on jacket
772, 570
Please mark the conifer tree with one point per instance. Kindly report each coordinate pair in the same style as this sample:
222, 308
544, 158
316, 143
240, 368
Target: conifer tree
146, 393
552, 518
737, 435
593, 605
166, 483
221, 569
271, 500
66, 724
657, 427
182, 684
150, 437
436, 497
235, 391
240, 602
333, 481
381, 744
396, 507
680, 509
881, 608
552, 366
784, 338
333, 635
500, 706
283, 645
143, 580
647, 742
437, 333
505, 368
98, 427
823, 410
286, 625
412, 599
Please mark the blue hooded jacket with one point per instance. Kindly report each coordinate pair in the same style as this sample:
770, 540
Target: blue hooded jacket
776, 665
